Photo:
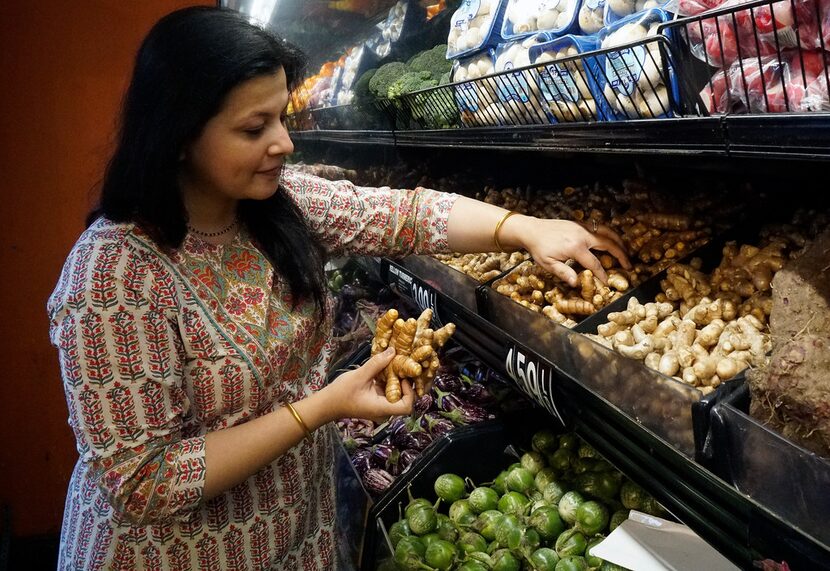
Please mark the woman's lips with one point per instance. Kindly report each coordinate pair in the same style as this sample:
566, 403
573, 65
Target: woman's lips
271, 172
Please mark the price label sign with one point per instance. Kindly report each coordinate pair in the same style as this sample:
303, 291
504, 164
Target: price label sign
533, 376
410, 286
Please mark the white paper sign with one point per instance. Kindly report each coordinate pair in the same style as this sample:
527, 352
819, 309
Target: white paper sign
648, 543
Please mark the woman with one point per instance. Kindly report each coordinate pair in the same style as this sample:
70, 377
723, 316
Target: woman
192, 321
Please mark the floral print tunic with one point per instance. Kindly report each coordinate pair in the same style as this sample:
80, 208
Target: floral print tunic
158, 350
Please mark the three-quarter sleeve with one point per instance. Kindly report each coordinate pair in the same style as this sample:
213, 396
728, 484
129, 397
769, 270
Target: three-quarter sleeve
375, 221
113, 321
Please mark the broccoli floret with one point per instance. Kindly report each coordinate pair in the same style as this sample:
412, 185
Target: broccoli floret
434, 109
361, 86
362, 94
409, 82
385, 76
445, 78
433, 61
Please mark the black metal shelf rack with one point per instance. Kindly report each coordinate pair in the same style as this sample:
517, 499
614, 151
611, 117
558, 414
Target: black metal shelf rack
735, 524
790, 136
712, 84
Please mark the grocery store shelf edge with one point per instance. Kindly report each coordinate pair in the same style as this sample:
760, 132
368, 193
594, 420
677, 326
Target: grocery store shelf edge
803, 136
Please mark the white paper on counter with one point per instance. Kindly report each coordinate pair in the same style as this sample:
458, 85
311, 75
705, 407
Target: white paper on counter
648, 543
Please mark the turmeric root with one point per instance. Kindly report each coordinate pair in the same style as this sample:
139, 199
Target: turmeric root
403, 335
441, 336
405, 367
415, 347
383, 331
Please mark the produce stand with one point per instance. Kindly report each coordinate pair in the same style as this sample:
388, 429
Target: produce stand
743, 488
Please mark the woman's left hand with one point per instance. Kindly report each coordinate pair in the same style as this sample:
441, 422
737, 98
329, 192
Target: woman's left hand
553, 242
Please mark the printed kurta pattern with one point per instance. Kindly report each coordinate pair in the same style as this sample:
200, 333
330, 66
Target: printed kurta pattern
158, 350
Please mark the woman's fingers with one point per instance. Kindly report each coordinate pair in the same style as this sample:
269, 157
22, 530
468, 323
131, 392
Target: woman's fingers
403, 406
561, 270
607, 232
375, 366
613, 247
604, 238
590, 262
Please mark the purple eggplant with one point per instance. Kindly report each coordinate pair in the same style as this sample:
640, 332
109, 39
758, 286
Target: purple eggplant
460, 411
406, 459
380, 455
350, 293
352, 443
423, 405
477, 394
441, 427
416, 439
436, 425
393, 463
346, 321
361, 460
396, 425
377, 480
447, 382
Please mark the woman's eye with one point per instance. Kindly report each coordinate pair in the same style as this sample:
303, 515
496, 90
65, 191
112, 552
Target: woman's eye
254, 131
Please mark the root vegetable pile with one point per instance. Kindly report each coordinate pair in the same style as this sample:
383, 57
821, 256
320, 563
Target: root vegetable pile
792, 394
482, 267
701, 347
534, 288
706, 328
330, 172
416, 350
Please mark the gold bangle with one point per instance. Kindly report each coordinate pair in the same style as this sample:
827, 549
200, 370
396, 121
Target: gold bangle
299, 420
498, 227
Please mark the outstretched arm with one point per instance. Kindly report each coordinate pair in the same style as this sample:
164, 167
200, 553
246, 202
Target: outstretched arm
472, 225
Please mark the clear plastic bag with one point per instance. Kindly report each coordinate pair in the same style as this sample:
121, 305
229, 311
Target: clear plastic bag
475, 26
796, 82
760, 31
525, 17
635, 82
569, 89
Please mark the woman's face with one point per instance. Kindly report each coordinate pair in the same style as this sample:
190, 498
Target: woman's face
241, 150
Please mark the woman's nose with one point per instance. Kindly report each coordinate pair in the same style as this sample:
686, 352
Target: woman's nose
282, 144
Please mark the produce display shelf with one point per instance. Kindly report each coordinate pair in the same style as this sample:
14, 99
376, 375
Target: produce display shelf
345, 137
803, 136
734, 523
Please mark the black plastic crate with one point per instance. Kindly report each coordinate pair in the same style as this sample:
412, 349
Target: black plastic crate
780, 475
478, 452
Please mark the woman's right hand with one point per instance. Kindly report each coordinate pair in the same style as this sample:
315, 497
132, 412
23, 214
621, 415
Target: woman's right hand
355, 394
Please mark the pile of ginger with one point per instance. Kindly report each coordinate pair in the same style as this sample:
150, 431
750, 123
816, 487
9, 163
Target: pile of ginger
416, 350
703, 328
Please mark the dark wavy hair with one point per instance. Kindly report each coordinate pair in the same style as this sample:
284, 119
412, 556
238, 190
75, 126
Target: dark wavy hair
184, 70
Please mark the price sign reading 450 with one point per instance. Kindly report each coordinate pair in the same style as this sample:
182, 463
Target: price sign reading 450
534, 377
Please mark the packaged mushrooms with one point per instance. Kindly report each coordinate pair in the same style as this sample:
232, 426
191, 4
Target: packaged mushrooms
524, 17
566, 87
637, 85
477, 99
519, 91
591, 16
474, 26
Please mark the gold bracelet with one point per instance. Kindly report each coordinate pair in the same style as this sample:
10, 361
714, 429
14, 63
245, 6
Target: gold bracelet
299, 420
498, 227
